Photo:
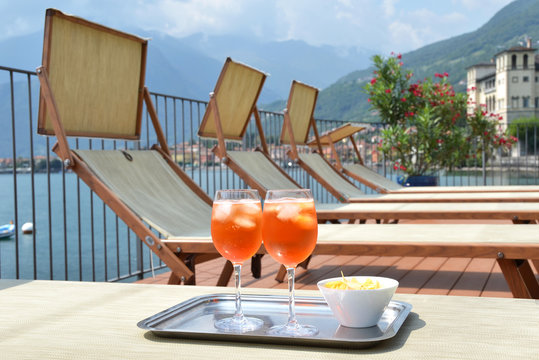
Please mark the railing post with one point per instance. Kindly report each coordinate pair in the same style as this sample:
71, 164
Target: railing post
484, 163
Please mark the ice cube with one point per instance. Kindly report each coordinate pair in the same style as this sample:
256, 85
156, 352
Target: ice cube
287, 212
244, 222
251, 207
222, 210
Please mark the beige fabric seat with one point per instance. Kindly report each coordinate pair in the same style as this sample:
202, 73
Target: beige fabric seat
371, 177
92, 85
147, 185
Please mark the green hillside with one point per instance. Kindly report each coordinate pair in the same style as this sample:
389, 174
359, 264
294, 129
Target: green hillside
345, 99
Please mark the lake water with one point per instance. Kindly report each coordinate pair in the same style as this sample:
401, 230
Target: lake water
84, 240
87, 241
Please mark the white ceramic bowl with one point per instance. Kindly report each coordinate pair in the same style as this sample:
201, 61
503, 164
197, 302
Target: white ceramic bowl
359, 308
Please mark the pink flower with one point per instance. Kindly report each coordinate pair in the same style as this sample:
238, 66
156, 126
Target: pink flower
446, 74
388, 91
399, 56
403, 99
403, 168
373, 81
368, 100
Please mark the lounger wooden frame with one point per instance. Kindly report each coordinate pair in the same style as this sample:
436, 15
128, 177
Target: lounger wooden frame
300, 105
83, 87
295, 131
329, 138
231, 125
333, 212
513, 246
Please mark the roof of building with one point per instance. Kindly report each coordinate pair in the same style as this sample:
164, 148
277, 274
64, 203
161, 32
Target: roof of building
483, 64
486, 77
516, 49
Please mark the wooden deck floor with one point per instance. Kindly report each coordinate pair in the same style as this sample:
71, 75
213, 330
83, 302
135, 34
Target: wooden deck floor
416, 275
441, 276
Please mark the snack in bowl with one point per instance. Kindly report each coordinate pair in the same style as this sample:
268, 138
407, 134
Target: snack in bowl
358, 301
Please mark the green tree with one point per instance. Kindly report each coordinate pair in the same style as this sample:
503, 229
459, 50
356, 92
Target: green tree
526, 129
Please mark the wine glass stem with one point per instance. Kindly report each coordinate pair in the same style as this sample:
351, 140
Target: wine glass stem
292, 322
237, 278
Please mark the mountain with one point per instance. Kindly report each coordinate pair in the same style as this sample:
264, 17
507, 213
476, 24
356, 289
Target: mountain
189, 67
186, 67
284, 60
345, 98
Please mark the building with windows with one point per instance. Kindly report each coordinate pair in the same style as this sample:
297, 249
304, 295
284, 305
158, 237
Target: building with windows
508, 85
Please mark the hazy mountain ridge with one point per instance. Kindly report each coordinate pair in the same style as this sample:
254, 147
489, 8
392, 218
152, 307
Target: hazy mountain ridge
186, 67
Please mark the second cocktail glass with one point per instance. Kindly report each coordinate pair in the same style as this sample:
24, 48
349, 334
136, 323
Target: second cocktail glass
236, 223
289, 232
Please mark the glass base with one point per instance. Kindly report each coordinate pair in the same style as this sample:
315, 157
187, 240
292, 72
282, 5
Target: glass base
239, 325
293, 330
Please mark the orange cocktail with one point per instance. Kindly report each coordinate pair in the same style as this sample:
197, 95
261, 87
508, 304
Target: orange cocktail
236, 231
236, 228
289, 232
290, 229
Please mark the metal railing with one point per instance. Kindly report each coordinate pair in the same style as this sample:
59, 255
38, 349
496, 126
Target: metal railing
77, 237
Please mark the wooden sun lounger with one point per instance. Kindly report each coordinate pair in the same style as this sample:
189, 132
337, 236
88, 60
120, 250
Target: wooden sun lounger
513, 246
258, 170
92, 85
516, 212
298, 120
379, 183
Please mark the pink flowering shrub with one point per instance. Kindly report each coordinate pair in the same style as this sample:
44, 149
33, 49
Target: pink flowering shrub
426, 126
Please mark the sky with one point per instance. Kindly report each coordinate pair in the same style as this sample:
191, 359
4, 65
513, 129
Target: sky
377, 25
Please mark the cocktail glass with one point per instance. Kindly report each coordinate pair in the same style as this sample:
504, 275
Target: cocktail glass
236, 224
289, 232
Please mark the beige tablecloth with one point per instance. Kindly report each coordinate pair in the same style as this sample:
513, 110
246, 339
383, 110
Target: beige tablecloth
74, 320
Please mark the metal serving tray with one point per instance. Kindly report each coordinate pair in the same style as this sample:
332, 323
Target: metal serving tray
194, 319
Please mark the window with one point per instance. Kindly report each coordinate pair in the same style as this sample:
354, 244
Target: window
525, 78
513, 62
537, 102
526, 101
514, 79
514, 102
537, 79
525, 61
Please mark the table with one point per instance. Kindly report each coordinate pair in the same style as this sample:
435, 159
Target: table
85, 320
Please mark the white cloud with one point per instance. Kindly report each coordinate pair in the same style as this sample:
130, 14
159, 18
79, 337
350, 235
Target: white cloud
388, 25
389, 7
404, 36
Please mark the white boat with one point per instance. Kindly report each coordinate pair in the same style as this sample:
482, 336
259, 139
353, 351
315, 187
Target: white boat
27, 228
7, 231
